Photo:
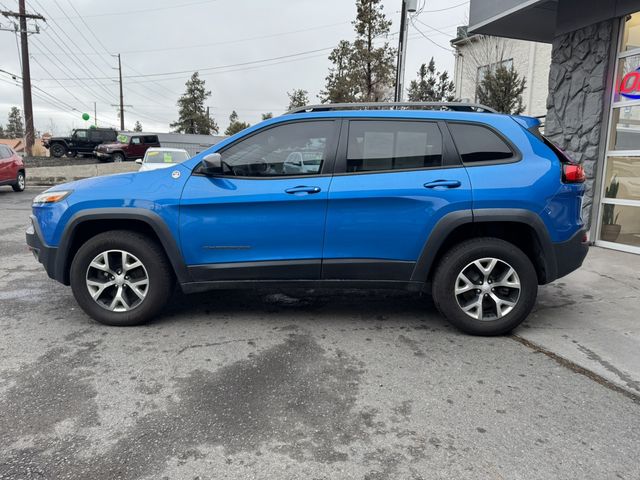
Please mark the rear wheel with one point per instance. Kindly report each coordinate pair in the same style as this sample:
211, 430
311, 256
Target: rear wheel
57, 150
21, 182
485, 286
121, 278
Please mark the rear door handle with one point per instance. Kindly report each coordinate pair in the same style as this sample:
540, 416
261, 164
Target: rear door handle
443, 184
303, 189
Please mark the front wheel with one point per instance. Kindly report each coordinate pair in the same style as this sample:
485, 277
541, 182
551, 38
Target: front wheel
121, 278
117, 158
485, 286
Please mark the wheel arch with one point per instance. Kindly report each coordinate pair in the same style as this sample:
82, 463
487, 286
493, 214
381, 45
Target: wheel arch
89, 223
523, 228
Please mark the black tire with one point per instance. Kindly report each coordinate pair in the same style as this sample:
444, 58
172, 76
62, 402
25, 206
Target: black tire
154, 261
458, 259
117, 157
21, 182
57, 150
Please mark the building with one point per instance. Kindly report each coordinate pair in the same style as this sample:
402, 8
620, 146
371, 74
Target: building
192, 143
593, 105
476, 54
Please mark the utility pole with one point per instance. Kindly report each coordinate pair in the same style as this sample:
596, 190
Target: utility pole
121, 94
407, 6
95, 114
22, 15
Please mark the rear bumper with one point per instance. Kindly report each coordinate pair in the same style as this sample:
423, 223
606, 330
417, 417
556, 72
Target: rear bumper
570, 254
45, 254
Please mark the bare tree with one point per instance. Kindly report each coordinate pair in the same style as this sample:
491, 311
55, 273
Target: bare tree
479, 52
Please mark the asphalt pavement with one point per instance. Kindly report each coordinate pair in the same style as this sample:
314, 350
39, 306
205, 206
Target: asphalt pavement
312, 384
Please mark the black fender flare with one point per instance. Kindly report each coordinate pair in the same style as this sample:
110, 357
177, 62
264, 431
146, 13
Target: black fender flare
447, 224
153, 220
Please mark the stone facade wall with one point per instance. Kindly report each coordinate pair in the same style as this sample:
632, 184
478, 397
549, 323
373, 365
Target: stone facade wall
580, 63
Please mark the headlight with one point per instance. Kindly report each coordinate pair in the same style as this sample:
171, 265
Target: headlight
51, 197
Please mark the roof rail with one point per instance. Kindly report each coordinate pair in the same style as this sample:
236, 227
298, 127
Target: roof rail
453, 106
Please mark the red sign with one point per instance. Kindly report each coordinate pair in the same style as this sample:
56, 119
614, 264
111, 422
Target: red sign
630, 85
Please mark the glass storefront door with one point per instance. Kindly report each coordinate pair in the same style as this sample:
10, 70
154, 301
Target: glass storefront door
619, 221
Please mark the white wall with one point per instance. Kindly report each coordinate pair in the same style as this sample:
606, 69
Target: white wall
530, 59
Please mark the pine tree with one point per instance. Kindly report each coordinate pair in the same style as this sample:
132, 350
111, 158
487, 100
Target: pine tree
235, 125
431, 85
341, 86
501, 89
137, 127
267, 116
191, 109
376, 65
2, 134
15, 127
297, 98
361, 70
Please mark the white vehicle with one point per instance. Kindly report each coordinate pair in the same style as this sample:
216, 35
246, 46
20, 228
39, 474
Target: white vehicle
158, 157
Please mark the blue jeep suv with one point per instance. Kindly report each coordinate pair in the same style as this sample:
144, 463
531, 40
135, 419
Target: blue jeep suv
474, 206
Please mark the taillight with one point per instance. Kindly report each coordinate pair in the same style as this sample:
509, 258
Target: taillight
572, 173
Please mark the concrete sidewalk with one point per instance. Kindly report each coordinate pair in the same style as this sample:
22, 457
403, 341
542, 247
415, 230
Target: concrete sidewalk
592, 317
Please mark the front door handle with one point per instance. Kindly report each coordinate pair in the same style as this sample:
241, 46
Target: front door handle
303, 189
443, 184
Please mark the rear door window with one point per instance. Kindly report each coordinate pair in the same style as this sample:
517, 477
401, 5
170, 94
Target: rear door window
149, 139
477, 143
393, 145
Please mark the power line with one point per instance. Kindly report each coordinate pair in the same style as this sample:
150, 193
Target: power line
44, 95
65, 89
425, 36
445, 9
90, 30
81, 83
147, 10
229, 42
62, 44
432, 28
22, 17
219, 67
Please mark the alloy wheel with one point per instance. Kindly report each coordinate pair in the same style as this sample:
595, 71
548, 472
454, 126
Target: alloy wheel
21, 181
487, 289
117, 280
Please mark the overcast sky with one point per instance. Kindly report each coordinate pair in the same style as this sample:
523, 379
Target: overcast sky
250, 52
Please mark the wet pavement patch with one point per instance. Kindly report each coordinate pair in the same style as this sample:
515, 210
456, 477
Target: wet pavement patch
294, 398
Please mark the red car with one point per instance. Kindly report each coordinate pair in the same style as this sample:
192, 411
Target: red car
12, 171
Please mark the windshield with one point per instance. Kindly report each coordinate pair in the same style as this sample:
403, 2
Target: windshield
171, 156
122, 138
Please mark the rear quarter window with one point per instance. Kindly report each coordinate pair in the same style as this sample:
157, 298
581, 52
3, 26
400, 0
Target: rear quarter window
477, 143
151, 139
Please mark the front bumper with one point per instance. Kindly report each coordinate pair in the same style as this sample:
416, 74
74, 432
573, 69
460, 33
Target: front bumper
45, 254
102, 155
570, 254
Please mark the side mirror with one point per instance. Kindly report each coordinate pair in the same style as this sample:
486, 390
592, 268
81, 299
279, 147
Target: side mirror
139, 161
212, 164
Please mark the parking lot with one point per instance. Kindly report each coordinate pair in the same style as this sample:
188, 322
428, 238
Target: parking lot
316, 385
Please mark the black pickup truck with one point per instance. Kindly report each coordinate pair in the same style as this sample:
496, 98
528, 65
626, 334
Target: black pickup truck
83, 141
